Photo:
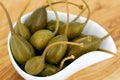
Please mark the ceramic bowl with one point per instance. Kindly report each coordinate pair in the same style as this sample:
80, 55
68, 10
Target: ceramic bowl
88, 59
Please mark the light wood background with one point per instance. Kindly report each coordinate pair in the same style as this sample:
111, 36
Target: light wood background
104, 12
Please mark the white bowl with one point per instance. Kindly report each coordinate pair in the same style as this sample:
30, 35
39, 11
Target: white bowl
82, 62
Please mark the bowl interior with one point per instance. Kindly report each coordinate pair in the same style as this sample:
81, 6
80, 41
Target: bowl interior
82, 62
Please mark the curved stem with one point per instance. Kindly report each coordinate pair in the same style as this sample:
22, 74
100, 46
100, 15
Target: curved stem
67, 22
118, 27
88, 17
82, 39
79, 6
56, 43
63, 61
8, 16
57, 19
79, 15
24, 9
109, 52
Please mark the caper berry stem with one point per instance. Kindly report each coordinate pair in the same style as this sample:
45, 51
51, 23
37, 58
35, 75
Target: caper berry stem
118, 27
109, 52
79, 15
57, 19
82, 13
79, 6
56, 43
82, 39
67, 22
9, 19
63, 61
19, 18
88, 17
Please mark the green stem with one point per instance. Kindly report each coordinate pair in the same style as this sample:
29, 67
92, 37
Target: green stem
57, 19
88, 17
19, 18
79, 15
56, 43
100, 49
82, 39
67, 22
118, 27
8, 16
63, 61
79, 6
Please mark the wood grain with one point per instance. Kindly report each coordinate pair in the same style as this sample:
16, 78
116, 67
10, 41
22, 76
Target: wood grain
104, 12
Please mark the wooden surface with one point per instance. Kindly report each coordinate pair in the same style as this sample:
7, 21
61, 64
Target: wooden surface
104, 12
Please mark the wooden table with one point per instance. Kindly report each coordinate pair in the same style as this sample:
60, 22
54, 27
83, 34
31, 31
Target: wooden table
104, 12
